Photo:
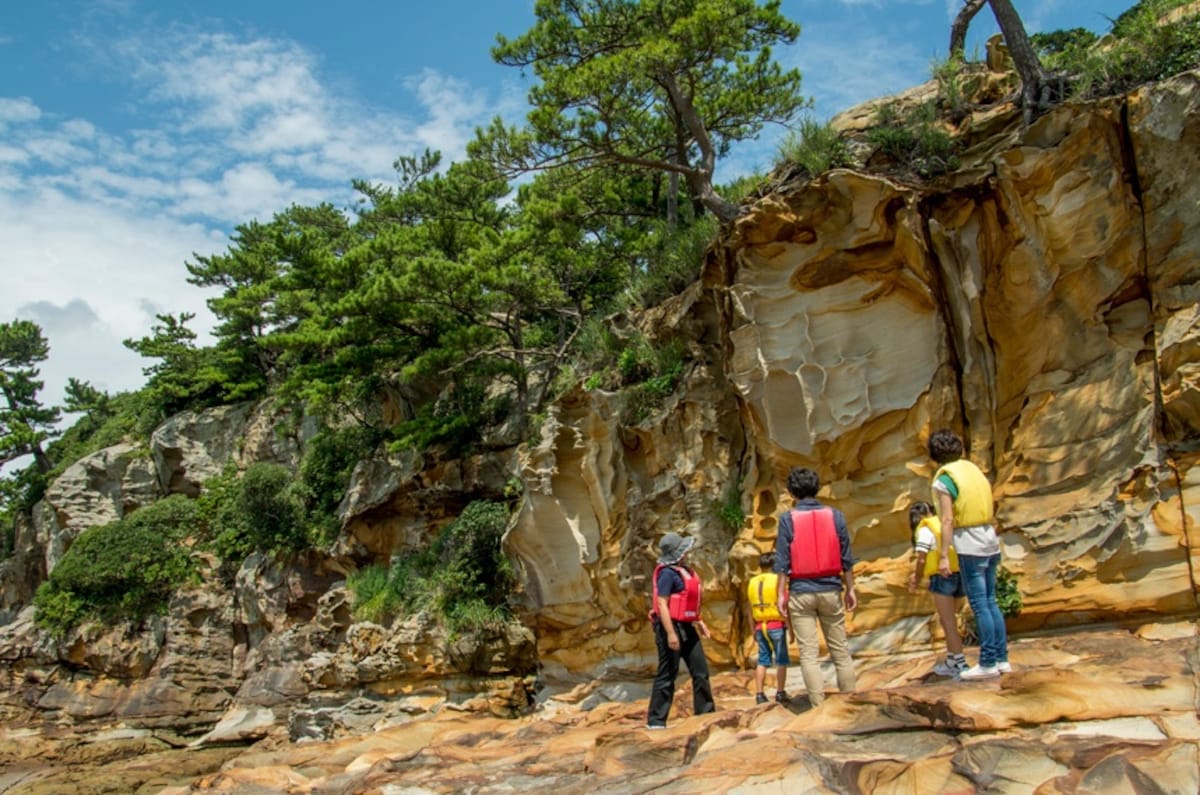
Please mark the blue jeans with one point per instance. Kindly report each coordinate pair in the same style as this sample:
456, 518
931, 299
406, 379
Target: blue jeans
979, 579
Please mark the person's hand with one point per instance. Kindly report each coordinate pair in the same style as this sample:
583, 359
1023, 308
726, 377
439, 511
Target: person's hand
944, 564
673, 640
704, 633
912, 583
851, 600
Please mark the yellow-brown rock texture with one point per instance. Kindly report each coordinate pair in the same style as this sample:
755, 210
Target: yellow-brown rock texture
1100, 711
1043, 300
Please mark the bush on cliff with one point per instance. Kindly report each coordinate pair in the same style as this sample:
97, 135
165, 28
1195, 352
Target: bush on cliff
463, 577
1140, 48
124, 570
257, 511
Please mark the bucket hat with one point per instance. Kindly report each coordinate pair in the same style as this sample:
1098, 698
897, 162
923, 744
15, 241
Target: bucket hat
673, 547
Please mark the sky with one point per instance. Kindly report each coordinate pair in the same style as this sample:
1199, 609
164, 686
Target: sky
136, 134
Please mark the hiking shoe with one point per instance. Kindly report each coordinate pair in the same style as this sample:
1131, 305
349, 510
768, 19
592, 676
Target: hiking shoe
782, 696
980, 672
759, 698
947, 668
1004, 667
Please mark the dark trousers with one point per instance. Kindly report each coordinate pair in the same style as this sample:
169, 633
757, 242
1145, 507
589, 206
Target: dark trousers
692, 654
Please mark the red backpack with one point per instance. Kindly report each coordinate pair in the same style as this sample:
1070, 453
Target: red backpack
816, 550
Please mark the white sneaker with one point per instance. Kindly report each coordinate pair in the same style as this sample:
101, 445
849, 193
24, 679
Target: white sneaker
946, 668
654, 727
1004, 667
980, 672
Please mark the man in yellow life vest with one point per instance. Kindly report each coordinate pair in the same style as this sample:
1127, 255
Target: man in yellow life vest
963, 497
770, 629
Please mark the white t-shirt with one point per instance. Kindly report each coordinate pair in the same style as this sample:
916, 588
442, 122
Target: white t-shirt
979, 540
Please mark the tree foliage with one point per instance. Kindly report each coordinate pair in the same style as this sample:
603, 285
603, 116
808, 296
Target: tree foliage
25, 424
665, 85
124, 570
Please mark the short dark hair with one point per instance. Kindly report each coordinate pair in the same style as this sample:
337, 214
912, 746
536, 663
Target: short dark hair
945, 446
766, 561
918, 511
803, 482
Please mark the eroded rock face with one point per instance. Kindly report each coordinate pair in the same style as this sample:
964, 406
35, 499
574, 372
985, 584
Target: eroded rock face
1043, 300
193, 446
94, 491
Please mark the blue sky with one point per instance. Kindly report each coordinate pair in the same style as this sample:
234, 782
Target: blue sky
136, 133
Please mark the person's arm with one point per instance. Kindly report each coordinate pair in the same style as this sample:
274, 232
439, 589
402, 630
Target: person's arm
664, 615
847, 559
783, 561
946, 514
914, 577
848, 582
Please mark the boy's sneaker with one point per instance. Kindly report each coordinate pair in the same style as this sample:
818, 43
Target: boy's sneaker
952, 665
1004, 667
759, 698
946, 668
782, 696
980, 672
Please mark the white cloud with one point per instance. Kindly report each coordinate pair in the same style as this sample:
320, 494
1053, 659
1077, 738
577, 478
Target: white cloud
98, 223
15, 110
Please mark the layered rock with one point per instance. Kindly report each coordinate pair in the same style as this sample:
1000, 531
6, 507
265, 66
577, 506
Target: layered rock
1106, 711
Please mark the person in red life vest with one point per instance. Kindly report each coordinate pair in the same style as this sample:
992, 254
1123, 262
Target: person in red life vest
675, 614
814, 561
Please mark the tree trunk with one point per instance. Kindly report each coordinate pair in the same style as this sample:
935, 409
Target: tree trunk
1029, 67
699, 177
958, 31
1034, 80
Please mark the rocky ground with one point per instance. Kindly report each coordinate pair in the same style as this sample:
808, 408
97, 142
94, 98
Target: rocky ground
1105, 710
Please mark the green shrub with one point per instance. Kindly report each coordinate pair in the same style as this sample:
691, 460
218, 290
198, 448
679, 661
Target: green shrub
329, 461
815, 147
636, 362
259, 511
914, 142
670, 259
1138, 50
661, 373
951, 84
124, 570
463, 577
374, 598
729, 510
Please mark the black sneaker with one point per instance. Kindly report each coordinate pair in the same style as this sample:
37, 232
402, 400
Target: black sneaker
782, 697
760, 699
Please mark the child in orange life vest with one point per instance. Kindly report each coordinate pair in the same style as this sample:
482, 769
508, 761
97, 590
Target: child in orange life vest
770, 630
947, 591
675, 614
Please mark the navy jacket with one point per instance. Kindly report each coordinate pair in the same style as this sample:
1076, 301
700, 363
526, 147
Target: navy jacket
783, 553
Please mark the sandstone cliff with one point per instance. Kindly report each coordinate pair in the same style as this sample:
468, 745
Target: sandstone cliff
1043, 299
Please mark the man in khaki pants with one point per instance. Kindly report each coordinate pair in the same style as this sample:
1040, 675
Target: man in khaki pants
813, 559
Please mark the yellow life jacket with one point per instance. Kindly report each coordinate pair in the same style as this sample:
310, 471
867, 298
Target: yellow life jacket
973, 505
763, 592
931, 560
